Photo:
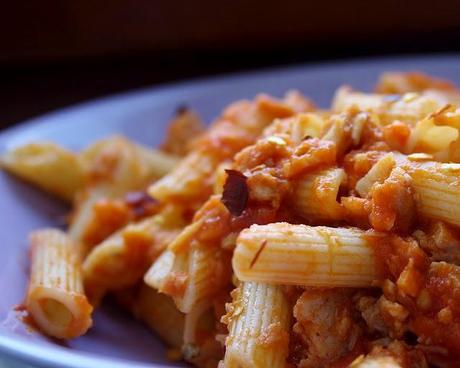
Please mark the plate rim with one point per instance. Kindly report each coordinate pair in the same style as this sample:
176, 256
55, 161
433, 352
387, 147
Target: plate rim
24, 352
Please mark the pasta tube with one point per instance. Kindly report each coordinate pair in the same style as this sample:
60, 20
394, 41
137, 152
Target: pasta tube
438, 190
189, 179
239, 126
159, 270
55, 297
282, 253
83, 218
113, 166
378, 173
161, 315
47, 165
298, 127
194, 319
399, 83
409, 108
156, 163
122, 259
384, 361
315, 195
258, 322
189, 277
205, 274
121, 165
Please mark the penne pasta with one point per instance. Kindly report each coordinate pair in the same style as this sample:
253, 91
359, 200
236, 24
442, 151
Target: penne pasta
47, 165
378, 173
185, 127
193, 321
200, 267
221, 176
315, 195
409, 108
282, 253
192, 178
437, 134
204, 270
127, 254
298, 127
83, 218
438, 189
399, 83
155, 162
346, 129
345, 97
258, 321
55, 297
120, 165
375, 362
239, 126
156, 276
201, 347
161, 315
112, 167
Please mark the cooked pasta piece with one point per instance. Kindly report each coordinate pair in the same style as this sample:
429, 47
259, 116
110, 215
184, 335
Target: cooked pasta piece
55, 297
122, 164
240, 125
83, 218
201, 267
391, 203
298, 127
436, 134
156, 310
379, 172
375, 362
346, 129
192, 334
258, 320
438, 190
399, 83
170, 272
315, 195
201, 348
161, 315
47, 165
155, 162
204, 268
107, 216
192, 178
281, 253
394, 354
182, 130
159, 270
113, 167
192, 320
221, 177
190, 276
122, 259
346, 97
409, 108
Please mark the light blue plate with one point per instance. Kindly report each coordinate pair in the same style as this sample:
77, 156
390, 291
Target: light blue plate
116, 341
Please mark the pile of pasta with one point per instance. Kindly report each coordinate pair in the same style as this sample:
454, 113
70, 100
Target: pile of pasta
283, 235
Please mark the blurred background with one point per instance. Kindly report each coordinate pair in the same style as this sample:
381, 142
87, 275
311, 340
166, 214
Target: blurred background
55, 53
